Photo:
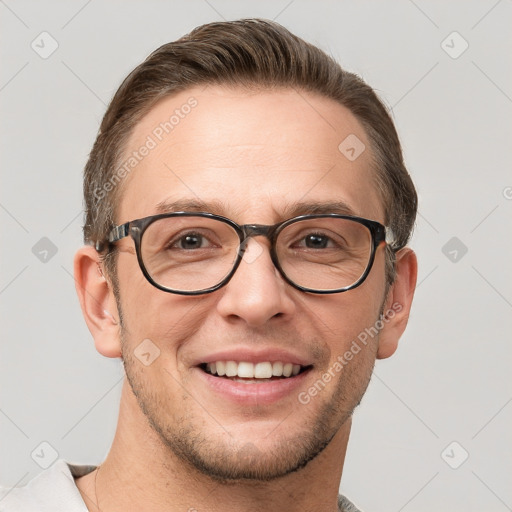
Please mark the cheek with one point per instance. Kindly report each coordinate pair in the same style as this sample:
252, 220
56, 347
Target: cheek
167, 320
349, 320
144, 306
154, 385
345, 320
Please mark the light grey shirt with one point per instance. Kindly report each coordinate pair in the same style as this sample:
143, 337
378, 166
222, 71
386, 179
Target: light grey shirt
54, 490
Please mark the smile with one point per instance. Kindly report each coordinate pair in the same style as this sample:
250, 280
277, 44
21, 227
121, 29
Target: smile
253, 383
244, 371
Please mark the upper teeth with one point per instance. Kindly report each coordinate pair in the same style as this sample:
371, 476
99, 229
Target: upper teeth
246, 370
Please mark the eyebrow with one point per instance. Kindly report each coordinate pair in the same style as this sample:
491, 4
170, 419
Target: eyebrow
318, 207
193, 205
293, 209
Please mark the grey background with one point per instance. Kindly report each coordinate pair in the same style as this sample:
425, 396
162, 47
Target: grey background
449, 380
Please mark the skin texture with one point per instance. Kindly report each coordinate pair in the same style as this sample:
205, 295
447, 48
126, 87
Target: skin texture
179, 444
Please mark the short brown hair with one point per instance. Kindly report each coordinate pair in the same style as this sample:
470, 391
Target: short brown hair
249, 53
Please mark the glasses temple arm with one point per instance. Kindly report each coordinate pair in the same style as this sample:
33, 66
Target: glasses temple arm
115, 234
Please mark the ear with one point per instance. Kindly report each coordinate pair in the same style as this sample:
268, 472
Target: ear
398, 302
97, 302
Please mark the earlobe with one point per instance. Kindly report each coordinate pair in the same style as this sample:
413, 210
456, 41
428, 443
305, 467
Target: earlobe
97, 302
398, 302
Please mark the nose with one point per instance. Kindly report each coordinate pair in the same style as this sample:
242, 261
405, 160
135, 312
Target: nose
257, 292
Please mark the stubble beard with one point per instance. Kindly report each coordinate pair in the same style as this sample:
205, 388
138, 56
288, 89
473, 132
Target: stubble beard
228, 460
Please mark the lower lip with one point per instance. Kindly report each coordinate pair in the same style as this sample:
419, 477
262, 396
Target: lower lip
254, 393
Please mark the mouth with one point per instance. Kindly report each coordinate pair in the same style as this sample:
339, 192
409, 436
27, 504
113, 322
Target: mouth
253, 373
258, 383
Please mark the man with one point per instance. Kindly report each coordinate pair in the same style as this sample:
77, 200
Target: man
248, 211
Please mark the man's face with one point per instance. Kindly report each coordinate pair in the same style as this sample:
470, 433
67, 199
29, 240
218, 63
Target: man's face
256, 154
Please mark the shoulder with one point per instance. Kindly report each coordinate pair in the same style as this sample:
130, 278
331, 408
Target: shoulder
345, 505
53, 490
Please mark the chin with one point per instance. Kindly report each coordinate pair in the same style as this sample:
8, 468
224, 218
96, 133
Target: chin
247, 461
242, 455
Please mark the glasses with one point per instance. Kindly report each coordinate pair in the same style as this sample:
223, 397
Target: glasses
196, 253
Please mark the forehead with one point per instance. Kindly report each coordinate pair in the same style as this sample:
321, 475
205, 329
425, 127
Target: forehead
252, 156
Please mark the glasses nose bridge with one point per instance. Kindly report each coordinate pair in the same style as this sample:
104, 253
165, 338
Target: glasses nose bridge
252, 230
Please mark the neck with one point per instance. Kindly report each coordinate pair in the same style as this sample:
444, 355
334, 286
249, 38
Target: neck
141, 473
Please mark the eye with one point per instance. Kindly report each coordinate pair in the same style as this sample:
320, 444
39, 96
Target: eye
316, 241
189, 241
